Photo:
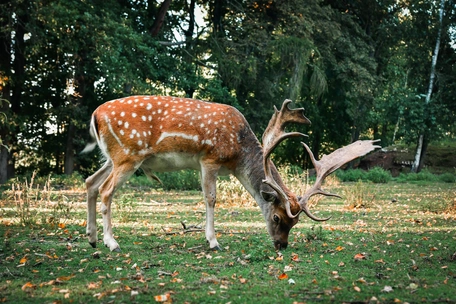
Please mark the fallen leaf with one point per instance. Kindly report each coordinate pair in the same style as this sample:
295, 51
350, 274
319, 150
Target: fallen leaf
339, 248
359, 256
23, 260
356, 288
283, 276
163, 298
61, 225
291, 282
28, 285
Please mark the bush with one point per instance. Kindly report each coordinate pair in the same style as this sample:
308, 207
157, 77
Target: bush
379, 175
447, 178
424, 175
351, 175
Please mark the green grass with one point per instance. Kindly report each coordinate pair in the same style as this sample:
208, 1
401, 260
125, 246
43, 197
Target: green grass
398, 247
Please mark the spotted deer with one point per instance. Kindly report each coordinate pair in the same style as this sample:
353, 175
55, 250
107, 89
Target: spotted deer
161, 134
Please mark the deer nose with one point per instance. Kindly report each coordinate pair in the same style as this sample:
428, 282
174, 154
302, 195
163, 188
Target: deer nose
280, 245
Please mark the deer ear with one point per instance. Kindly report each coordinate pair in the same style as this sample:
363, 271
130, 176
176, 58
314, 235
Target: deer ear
269, 196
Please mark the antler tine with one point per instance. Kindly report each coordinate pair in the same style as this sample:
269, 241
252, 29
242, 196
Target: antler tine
275, 134
330, 163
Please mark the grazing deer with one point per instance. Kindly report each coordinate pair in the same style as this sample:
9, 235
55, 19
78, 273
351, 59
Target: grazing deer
160, 134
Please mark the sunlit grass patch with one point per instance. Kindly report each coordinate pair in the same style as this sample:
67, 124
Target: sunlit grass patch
400, 247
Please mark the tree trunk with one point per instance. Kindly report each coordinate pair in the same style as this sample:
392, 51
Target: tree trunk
69, 151
160, 18
419, 149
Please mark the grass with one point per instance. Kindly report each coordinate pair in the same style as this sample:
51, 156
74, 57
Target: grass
398, 246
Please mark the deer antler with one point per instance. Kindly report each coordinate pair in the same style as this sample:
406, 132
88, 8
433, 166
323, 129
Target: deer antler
272, 136
330, 163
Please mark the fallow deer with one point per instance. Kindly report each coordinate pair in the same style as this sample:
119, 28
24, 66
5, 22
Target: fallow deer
161, 134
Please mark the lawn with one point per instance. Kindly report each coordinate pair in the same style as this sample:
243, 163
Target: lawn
385, 243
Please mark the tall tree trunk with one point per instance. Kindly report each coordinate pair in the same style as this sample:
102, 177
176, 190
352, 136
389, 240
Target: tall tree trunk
69, 150
160, 18
420, 152
5, 68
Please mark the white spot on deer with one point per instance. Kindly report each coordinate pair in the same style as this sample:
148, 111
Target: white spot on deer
179, 113
126, 124
146, 98
165, 113
177, 134
143, 151
166, 105
122, 132
205, 116
144, 118
179, 125
148, 132
133, 131
159, 103
202, 125
209, 121
141, 104
122, 114
207, 142
140, 143
129, 101
113, 113
133, 115
149, 106
159, 111
136, 100
149, 117
122, 100
119, 122
144, 133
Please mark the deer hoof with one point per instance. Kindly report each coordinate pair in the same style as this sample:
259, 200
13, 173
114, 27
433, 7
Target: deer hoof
217, 248
94, 244
117, 249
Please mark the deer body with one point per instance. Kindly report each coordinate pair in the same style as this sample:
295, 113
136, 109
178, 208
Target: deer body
160, 134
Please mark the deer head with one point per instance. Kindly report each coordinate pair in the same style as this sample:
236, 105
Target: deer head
273, 136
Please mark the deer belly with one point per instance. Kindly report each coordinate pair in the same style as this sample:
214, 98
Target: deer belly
172, 161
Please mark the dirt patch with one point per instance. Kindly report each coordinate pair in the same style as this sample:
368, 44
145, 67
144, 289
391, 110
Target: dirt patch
438, 159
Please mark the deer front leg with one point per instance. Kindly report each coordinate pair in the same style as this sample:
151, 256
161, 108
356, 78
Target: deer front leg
208, 183
93, 183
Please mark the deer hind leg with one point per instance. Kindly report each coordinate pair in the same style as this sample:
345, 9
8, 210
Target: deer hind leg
208, 183
93, 183
114, 181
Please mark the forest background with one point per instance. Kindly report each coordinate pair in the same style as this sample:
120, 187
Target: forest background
361, 69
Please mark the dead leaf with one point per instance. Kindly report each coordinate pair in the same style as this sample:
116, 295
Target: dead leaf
27, 286
356, 288
61, 225
339, 248
163, 298
283, 276
359, 257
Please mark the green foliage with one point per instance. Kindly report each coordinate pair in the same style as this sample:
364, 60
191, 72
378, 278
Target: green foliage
378, 175
180, 180
351, 175
447, 178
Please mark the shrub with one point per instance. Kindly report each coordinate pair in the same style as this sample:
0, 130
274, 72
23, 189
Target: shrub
351, 175
379, 175
447, 178
424, 175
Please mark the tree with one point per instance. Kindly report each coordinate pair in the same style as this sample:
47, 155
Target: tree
421, 146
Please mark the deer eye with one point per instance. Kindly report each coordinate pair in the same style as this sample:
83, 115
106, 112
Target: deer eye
276, 218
